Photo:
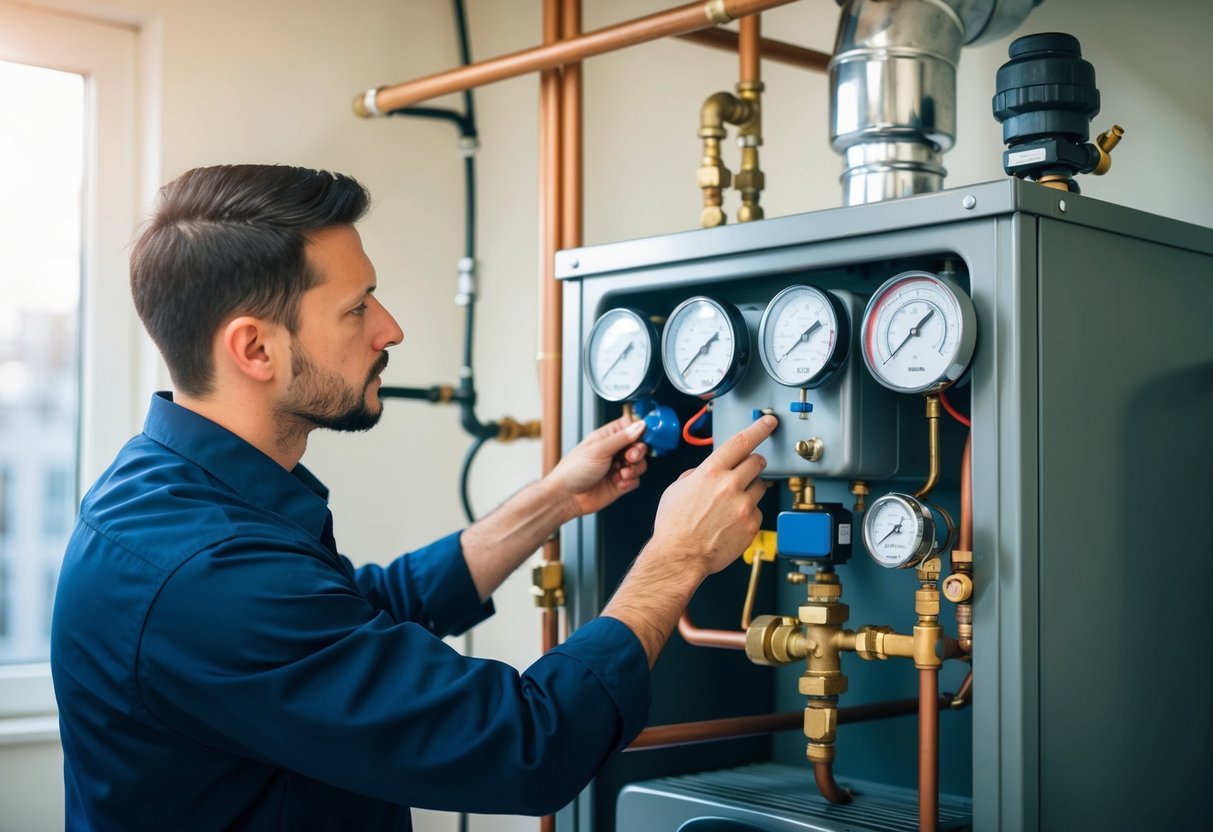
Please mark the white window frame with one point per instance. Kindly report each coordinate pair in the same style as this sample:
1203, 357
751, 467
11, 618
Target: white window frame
114, 364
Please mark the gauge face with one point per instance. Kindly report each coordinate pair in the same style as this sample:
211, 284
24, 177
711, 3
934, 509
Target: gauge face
918, 333
621, 355
803, 337
705, 347
898, 531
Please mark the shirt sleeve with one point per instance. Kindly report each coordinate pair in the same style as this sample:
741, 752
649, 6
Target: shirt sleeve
300, 671
431, 586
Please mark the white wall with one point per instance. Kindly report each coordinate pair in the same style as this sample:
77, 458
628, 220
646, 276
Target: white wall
271, 81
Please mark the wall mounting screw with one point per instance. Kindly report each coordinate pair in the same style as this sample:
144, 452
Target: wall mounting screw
969, 202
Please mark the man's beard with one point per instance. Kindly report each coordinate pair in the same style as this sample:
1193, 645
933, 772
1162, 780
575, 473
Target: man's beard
325, 400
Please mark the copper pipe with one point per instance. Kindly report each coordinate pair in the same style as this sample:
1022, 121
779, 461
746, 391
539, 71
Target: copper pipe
770, 50
823, 773
928, 750
549, 288
689, 733
676, 21
711, 730
571, 223
965, 542
550, 194
728, 639
961, 698
747, 49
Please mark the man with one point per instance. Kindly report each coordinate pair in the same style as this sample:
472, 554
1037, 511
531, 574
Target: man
219, 665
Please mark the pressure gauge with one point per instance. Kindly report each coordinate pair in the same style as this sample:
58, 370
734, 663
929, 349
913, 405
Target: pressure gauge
621, 355
918, 333
705, 347
803, 337
898, 531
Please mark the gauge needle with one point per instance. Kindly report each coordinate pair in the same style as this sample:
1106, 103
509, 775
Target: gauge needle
892, 532
804, 336
914, 330
622, 355
701, 351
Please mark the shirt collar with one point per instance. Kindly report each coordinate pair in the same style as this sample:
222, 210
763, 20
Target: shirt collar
296, 495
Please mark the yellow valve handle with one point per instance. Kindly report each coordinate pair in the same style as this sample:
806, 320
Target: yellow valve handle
763, 545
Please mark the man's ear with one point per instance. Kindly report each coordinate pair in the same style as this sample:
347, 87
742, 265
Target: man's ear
251, 346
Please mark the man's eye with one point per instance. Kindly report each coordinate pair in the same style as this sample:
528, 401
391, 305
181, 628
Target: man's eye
359, 310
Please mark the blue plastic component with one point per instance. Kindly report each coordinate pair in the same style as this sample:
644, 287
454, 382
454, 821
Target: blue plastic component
662, 430
801, 407
804, 534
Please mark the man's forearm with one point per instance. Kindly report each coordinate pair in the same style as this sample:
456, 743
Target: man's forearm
496, 545
653, 596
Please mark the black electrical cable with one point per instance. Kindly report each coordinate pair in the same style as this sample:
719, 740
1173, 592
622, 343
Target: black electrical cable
464, 471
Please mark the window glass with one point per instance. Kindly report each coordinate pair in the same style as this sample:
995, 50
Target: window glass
42, 154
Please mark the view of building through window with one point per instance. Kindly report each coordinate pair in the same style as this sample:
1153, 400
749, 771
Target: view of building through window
42, 167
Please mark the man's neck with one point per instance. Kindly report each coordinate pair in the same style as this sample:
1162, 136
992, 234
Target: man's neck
282, 440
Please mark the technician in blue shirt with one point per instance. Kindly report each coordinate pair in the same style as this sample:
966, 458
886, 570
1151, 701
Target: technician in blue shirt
218, 663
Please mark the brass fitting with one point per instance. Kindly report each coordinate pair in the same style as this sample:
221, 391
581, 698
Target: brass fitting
878, 642
1105, 141
820, 752
773, 640
958, 588
750, 179
810, 449
821, 721
860, 489
804, 495
509, 429
547, 584
713, 176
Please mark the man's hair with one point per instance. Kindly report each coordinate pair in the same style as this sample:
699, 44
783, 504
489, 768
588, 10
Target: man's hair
226, 241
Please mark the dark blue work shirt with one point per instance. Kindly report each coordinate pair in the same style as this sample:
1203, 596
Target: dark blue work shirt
219, 665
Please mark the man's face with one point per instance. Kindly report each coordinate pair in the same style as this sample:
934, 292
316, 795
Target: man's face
340, 345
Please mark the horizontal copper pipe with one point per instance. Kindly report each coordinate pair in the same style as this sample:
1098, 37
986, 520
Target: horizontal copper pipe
769, 50
676, 21
727, 639
711, 730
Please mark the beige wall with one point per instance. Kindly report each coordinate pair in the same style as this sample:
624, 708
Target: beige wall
271, 81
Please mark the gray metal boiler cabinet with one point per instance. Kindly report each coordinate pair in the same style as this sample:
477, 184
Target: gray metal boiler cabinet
1091, 398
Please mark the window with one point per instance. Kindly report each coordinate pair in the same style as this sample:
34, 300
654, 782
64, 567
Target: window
42, 153
70, 345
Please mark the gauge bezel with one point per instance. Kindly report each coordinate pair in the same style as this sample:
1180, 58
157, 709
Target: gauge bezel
924, 522
741, 348
652, 374
838, 353
963, 354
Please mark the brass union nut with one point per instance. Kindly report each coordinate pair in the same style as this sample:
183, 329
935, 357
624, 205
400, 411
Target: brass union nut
830, 613
820, 724
825, 592
823, 685
714, 176
868, 642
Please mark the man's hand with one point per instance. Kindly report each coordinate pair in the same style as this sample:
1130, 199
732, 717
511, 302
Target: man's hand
704, 521
602, 468
710, 514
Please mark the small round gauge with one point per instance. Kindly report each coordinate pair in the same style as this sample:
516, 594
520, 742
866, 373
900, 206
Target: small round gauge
898, 531
705, 347
918, 333
621, 355
803, 337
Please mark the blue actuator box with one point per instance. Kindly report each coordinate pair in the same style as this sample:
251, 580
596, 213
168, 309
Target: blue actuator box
822, 534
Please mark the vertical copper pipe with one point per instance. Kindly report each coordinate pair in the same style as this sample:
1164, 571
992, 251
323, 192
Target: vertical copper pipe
965, 543
747, 49
570, 134
928, 750
549, 289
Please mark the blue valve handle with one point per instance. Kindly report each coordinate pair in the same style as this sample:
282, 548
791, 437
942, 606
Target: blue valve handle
662, 429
